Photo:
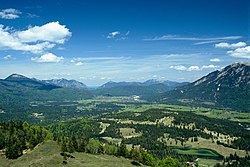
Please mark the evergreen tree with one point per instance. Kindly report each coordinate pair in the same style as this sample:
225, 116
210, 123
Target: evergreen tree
83, 143
70, 146
122, 150
74, 142
135, 154
64, 145
169, 162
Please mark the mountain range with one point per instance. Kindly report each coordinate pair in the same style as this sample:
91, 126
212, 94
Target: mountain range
20, 90
228, 88
66, 83
147, 88
173, 84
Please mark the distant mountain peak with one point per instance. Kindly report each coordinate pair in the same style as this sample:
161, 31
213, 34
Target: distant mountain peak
66, 83
15, 76
228, 87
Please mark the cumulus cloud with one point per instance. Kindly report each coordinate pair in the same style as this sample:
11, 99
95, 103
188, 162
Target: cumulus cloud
47, 58
36, 39
193, 68
51, 32
113, 34
10, 13
215, 60
243, 52
230, 46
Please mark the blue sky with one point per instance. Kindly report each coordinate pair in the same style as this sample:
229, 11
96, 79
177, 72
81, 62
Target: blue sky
95, 41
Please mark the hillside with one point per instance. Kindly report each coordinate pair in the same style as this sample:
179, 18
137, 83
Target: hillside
48, 154
228, 88
172, 84
130, 90
17, 89
66, 83
146, 88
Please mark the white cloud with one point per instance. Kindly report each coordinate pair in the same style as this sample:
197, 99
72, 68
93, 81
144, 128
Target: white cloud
47, 58
113, 34
8, 57
183, 68
51, 32
179, 68
207, 42
10, 14
98, 58
35, 39
240, 52
118, 35
193, 68
177, 37
211, 66
230, 46
215, 60
79, 64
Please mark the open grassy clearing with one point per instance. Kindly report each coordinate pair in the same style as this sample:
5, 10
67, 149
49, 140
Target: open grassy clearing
226, 114
141, 107
212, 113
48, 154
115, 141
129, 133
205, 143
120, 99
200, 152
225, 151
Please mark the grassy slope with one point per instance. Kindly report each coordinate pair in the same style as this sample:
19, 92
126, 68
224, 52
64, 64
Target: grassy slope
48, 154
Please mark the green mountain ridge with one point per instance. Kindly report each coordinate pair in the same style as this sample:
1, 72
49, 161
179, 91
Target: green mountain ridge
130, 90
228, 88
19, 90
147, 88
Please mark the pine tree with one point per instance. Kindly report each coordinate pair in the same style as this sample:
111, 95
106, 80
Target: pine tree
70, 146
122, 151
74, 142
64, 145
83, 144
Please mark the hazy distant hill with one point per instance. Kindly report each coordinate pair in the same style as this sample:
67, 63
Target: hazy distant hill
66, 83
146, 88
229, 87
17, 89
111, 84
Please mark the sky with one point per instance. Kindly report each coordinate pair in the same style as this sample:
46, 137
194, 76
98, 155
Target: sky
96, 41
